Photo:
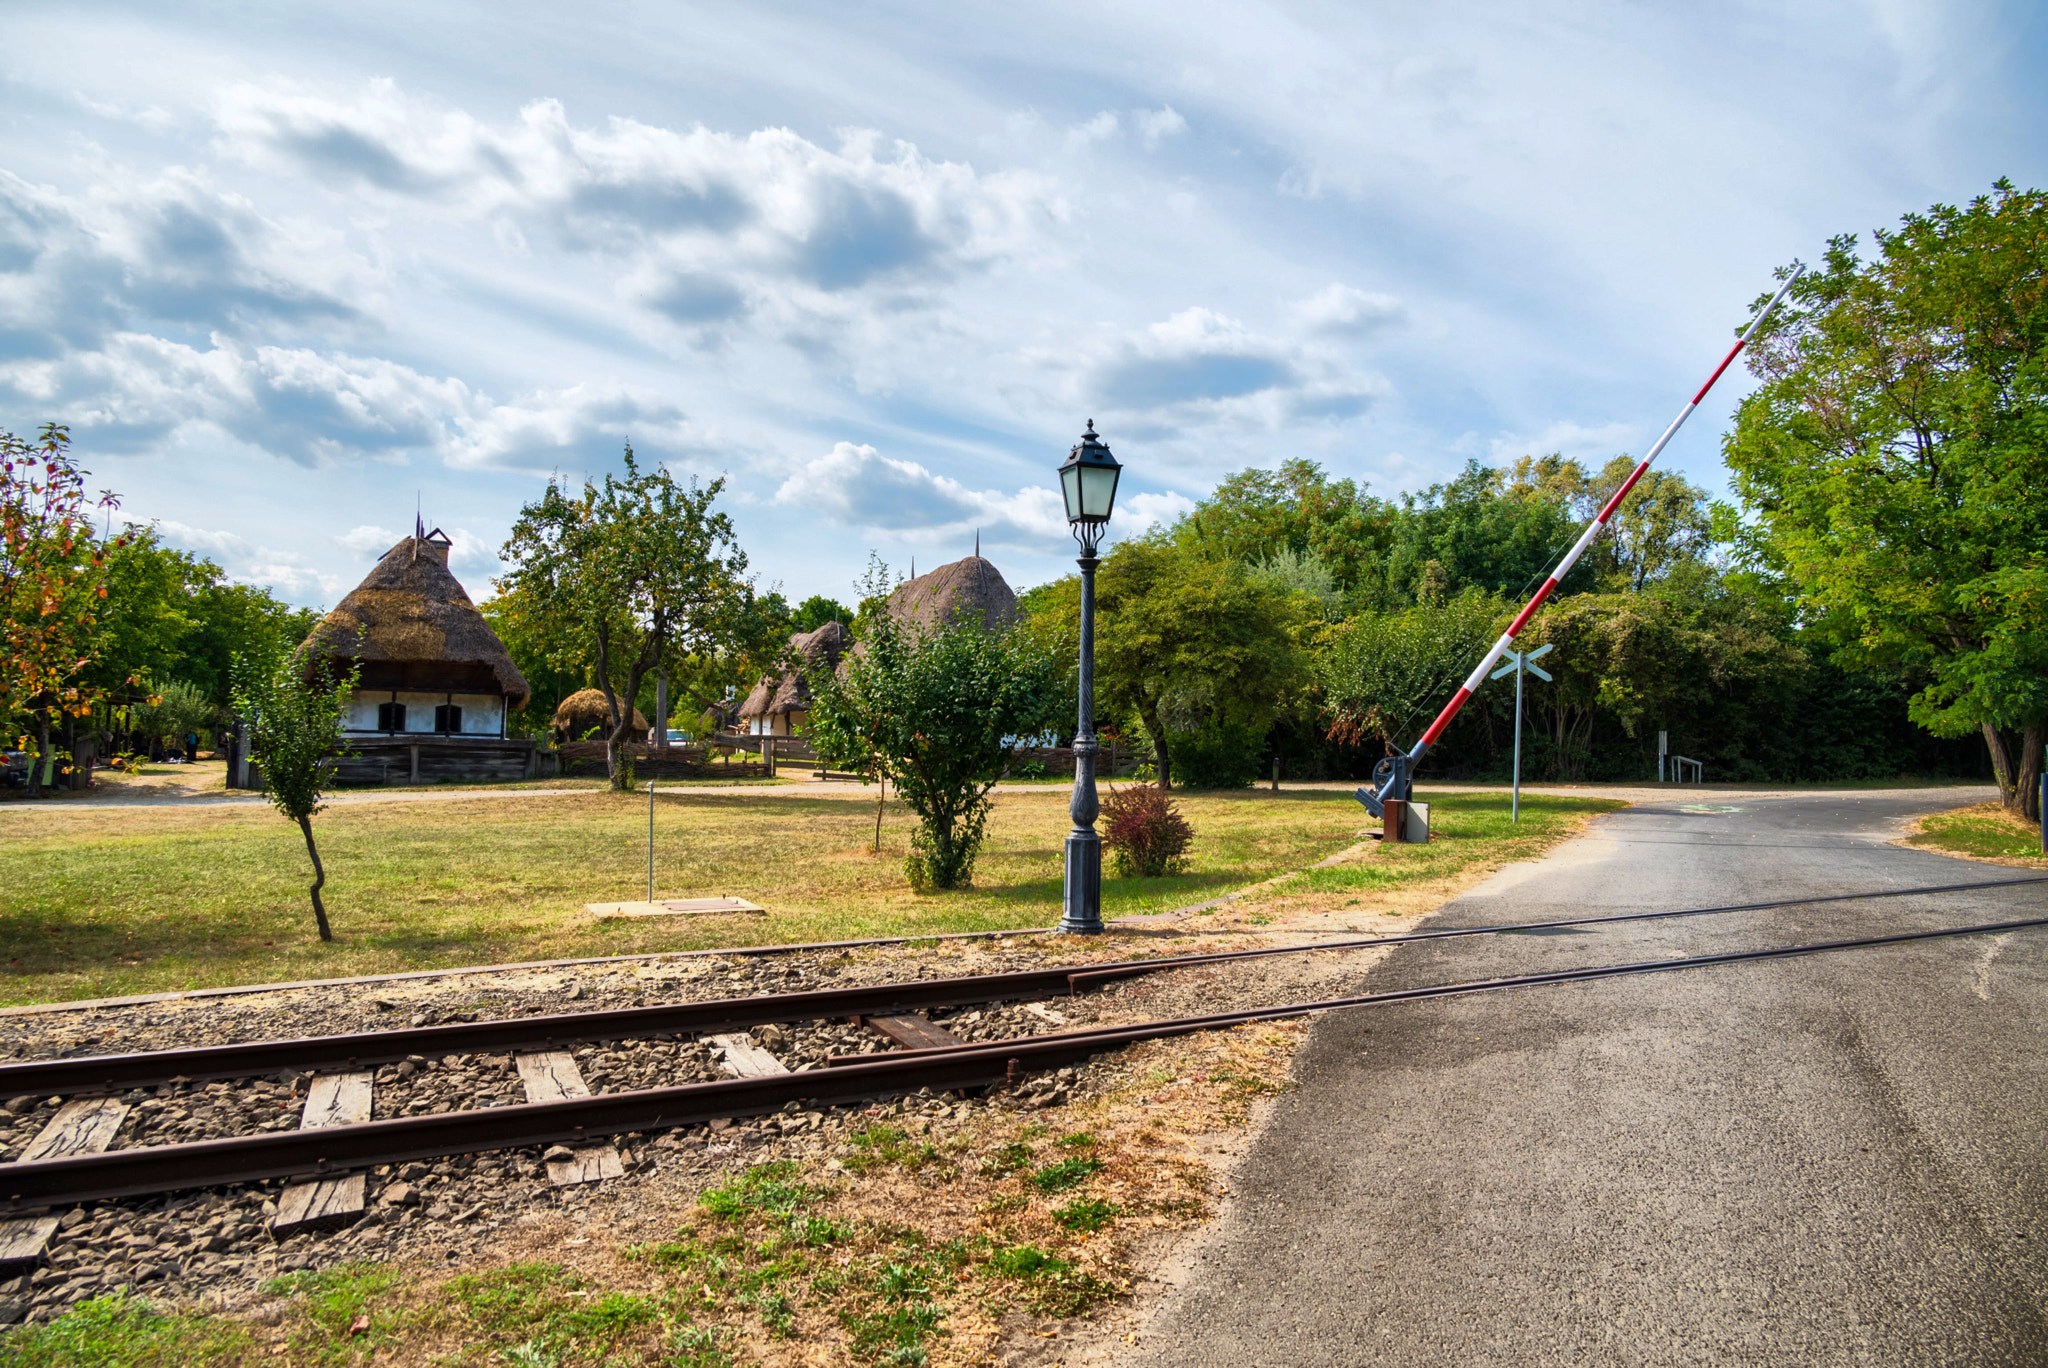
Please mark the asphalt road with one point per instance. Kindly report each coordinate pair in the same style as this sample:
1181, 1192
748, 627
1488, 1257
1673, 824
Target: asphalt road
1838, 1159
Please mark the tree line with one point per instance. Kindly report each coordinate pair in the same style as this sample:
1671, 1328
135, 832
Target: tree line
109, 639
1873, 603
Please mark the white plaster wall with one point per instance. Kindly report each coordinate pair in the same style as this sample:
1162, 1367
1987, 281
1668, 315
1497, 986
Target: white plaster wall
362, 708
419, 710
482, 714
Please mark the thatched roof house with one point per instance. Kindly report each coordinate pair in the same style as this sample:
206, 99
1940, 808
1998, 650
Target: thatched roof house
584, 709
431, 669
777, 706
972, 586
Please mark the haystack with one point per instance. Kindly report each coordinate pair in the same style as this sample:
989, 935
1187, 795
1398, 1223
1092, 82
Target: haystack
585, 709
971, 587
778, 705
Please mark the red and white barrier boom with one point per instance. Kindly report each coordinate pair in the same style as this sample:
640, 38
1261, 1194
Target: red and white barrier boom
1392, 775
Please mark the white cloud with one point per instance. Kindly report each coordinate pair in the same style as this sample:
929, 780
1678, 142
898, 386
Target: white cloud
1156, 124
315, 407
1139, 512
1342, 310
290, 574
368, 540
857, 486
202, 539
294, 402
171, 250
468, 548
1101, 128
583, 424
1201, 367
1567, 438
702, 227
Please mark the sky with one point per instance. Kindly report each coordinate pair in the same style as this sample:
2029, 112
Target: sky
291, 273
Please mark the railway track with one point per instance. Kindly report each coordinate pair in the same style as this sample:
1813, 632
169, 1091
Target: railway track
336, 1143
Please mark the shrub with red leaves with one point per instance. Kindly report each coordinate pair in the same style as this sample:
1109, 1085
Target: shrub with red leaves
1145, 833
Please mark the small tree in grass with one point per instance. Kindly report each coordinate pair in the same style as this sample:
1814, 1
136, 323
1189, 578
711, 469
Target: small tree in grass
298, 708
940, 712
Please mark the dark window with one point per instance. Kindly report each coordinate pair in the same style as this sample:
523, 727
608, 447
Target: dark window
447, 717
391, 717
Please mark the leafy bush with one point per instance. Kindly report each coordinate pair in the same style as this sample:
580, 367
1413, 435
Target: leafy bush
1222, 755
1145, 833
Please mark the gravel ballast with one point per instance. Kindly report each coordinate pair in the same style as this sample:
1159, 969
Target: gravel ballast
216, 1246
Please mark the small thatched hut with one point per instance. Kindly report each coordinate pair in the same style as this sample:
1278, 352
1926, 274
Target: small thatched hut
435, 683
777, 707
970, 586
584, 709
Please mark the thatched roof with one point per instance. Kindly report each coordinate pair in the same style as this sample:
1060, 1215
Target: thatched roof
585, 709
792, 692
410, 609
971, 586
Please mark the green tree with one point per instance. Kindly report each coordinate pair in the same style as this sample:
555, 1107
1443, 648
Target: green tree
1382, 676
52, 586
1715, 665
297, 709
939, 712
553, 663
1894, 463
1664, 523
635, 575
1187, 644
171, 710
1498, 531
170, 614
817, 610
1296, 510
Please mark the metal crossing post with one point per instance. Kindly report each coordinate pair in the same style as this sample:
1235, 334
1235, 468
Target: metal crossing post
1521, 661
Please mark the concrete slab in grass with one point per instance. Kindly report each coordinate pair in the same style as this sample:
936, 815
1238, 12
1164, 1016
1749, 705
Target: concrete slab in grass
672, 907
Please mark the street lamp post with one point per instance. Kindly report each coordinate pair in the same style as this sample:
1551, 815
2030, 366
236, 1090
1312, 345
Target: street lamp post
1088, 483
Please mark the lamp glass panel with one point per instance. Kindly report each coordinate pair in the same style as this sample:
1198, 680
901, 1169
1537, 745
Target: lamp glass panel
1070, 487
1098, 490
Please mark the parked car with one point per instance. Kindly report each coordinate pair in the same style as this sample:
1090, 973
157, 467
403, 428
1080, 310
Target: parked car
14, 769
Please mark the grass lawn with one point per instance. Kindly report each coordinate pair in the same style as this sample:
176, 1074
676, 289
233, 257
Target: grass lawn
101, 902
1986, 832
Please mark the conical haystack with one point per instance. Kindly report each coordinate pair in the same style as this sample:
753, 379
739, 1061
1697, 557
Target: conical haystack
971, 587
585, 709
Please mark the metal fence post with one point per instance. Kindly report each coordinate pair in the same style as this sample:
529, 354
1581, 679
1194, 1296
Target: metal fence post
2044, 809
